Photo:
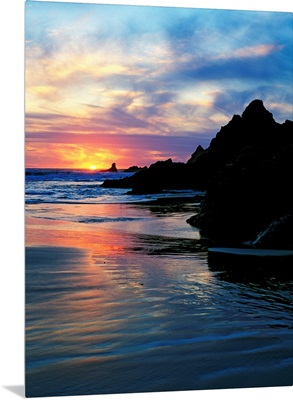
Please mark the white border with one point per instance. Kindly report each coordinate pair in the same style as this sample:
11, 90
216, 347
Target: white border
12, 203
259, 5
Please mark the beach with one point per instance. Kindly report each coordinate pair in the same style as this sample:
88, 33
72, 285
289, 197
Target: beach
158, 199
120, 298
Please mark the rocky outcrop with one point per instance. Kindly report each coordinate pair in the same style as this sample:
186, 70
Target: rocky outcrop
198, 152
278, 235
134, 168
159, 176
112, 169
252, 185
246, 172
168, 175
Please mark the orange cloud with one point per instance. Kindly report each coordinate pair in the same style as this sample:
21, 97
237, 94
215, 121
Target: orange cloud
251, 51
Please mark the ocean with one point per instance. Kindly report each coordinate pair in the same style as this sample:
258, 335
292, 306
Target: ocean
82, 186
122, 297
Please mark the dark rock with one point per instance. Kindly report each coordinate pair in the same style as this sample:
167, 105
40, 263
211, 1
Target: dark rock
134, 168
199, 151
246, 172
112, 169
257, 115
252, 160
159, 176
278, 235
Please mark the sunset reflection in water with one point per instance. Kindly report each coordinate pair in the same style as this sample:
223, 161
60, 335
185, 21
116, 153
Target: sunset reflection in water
111, 309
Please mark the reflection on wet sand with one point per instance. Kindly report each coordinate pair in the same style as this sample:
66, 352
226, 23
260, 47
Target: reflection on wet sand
113, 310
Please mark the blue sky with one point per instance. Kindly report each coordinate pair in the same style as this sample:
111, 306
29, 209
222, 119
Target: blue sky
144, 83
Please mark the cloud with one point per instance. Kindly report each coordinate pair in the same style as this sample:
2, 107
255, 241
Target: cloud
43, 116
179, 147
251, 52
277, 101
120, 119
139, 71
246, 64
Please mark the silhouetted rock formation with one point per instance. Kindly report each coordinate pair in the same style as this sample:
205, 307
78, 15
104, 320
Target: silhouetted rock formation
199, 151
277, 235
160, 175
252, 158
166, 175
134, 168
112, 169
246, 172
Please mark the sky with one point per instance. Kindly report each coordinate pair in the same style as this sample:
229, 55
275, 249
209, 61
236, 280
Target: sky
133, 84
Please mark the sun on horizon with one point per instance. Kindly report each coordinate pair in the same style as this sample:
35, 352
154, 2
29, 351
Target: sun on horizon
93, 168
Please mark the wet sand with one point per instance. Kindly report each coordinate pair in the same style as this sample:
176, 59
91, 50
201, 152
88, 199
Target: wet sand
129, 304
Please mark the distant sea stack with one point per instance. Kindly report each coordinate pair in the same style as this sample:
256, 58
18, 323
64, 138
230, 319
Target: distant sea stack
251, 189
112, 169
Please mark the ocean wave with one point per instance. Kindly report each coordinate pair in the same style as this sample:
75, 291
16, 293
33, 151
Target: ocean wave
83, 187
90, 220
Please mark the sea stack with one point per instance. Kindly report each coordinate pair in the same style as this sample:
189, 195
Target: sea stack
112, 169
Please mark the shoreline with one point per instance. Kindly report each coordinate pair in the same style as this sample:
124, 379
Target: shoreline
195, 199
122, 318
166, 199
95, 224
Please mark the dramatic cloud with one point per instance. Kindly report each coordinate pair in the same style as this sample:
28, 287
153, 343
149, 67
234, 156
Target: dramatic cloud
133, 75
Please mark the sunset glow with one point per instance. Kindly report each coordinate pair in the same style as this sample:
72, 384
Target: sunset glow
105, 85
